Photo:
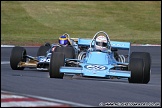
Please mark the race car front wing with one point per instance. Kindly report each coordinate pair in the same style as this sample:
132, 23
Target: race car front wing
95, 73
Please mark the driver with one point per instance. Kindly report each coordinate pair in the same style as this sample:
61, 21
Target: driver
63, 41
101, 43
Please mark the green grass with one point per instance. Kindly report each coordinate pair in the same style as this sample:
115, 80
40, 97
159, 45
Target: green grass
36, 22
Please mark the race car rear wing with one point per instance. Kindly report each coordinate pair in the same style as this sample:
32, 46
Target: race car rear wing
114, 44
120, 45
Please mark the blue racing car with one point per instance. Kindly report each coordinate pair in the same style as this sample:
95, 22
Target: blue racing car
101, 59
19, 59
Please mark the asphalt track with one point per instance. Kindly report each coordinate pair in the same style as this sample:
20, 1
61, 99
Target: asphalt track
82, 91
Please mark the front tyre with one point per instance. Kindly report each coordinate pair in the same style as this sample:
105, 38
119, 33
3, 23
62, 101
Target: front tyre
56, 61
147, 64
136, 66
17, 55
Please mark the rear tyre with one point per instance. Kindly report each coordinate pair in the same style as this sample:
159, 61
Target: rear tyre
47, 44
147, 64
42, 50
69, 52
56, 61
17, 55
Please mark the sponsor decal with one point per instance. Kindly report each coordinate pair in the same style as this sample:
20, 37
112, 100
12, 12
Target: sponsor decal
95, 67
122, 45
44, 60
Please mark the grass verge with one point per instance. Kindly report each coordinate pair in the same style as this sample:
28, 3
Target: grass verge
37, 22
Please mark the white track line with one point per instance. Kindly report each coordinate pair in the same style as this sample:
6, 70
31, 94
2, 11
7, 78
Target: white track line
59, 102
5, 62
11, 100
30, 104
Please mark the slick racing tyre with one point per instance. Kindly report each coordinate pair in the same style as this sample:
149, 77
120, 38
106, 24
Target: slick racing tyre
146, 66
136, 66
17, 54
42, 50
69, 52
56, 61
47, 44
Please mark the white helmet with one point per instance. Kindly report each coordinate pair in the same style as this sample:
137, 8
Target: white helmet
101, 43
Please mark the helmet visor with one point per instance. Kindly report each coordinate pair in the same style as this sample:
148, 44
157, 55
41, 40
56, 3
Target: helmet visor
101, 44
63, 42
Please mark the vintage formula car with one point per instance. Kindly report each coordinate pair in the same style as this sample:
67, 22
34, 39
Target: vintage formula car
103, 64
20, 60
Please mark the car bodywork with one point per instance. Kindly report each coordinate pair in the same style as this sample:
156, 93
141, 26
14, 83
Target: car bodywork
99, 64
95, 63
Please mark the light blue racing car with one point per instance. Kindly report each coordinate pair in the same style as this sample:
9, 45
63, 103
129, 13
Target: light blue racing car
102, 60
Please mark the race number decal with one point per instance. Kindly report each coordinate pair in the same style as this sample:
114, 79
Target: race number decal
95, 67
44, 60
